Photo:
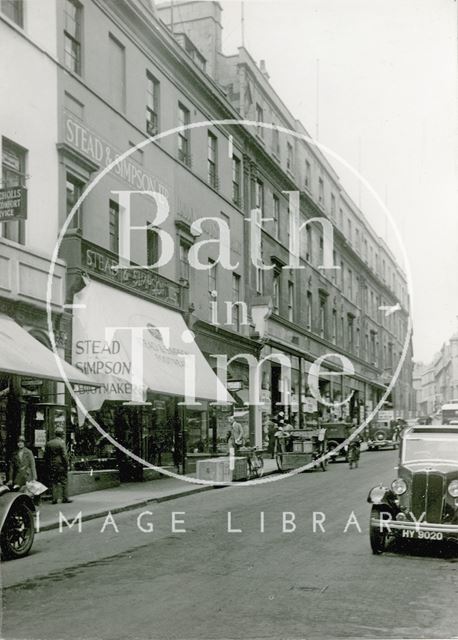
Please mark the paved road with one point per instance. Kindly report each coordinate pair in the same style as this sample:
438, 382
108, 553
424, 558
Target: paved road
212, 583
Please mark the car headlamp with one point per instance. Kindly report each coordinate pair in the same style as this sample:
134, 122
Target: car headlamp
453, 488
398, 486
377, 494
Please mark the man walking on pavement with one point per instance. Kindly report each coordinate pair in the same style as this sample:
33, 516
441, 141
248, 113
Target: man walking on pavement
235, 435
57, 465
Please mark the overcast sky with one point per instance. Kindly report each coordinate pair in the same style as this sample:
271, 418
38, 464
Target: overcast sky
387, 105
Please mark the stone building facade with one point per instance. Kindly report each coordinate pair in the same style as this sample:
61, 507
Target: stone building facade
115, 74
315, 310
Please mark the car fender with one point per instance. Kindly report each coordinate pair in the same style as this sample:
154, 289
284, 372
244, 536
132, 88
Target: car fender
387, 498
8, 500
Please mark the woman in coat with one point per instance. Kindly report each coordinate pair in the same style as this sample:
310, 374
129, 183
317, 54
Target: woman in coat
22, 466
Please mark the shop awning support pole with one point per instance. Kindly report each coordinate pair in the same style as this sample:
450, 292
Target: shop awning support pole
182, 414
13, 417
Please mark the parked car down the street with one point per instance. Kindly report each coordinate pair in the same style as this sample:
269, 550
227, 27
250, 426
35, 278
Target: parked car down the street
383, 434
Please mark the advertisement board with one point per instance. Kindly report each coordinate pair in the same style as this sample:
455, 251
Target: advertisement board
13, 204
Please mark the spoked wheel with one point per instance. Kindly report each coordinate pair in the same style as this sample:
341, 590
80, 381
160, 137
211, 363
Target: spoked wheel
332, 445
324, 465
377, 537
18, 532
279, 459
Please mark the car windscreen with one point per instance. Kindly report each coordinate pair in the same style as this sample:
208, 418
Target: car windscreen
424, 449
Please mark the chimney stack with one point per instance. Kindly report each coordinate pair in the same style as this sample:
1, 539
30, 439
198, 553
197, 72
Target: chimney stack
263, 69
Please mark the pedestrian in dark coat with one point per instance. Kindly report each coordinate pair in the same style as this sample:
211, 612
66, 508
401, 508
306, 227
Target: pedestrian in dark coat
57, 465
271, 430
22, 467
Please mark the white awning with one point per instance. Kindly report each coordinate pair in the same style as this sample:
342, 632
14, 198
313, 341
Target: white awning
23, 355
103, 321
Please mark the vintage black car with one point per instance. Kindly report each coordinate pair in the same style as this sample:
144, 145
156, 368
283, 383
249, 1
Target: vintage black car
422, 502
383, 434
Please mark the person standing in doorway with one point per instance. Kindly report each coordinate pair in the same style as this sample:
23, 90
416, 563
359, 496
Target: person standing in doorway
271, 430
57, 465
22, 466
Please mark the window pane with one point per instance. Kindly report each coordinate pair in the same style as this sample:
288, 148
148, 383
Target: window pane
152, 105
184, 261
72, 36
114, 226
117, 73
152, 247
212, 152
183, 136
13, 175
236, 180
14, 10
74, 189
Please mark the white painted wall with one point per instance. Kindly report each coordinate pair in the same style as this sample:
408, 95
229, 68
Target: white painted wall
28, 112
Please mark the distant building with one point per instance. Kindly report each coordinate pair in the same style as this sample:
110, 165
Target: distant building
438, 380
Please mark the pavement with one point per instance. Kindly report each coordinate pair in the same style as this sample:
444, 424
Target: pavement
126, 497
246, 562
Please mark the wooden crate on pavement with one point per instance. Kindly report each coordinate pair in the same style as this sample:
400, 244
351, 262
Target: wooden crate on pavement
218, 470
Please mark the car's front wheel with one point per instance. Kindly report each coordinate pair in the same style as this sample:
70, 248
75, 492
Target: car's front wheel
377, 536
18, 532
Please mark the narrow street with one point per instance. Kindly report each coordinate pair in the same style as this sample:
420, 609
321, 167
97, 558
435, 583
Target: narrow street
211, 583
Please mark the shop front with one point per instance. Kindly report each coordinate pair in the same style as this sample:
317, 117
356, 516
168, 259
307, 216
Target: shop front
157, 391
32, 393
28, 372
237, 351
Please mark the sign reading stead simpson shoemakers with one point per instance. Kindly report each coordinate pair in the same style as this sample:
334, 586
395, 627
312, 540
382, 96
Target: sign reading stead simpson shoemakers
13, 204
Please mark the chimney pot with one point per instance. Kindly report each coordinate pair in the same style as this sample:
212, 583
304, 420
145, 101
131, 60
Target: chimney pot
263, 69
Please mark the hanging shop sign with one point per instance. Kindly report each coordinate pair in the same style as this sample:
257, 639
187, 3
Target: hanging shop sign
13, 204
234, 385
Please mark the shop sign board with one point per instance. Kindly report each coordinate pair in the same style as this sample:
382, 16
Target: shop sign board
386, 415
310, 404
104, 264
234, 385
40, 438
100, 151
13, 204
